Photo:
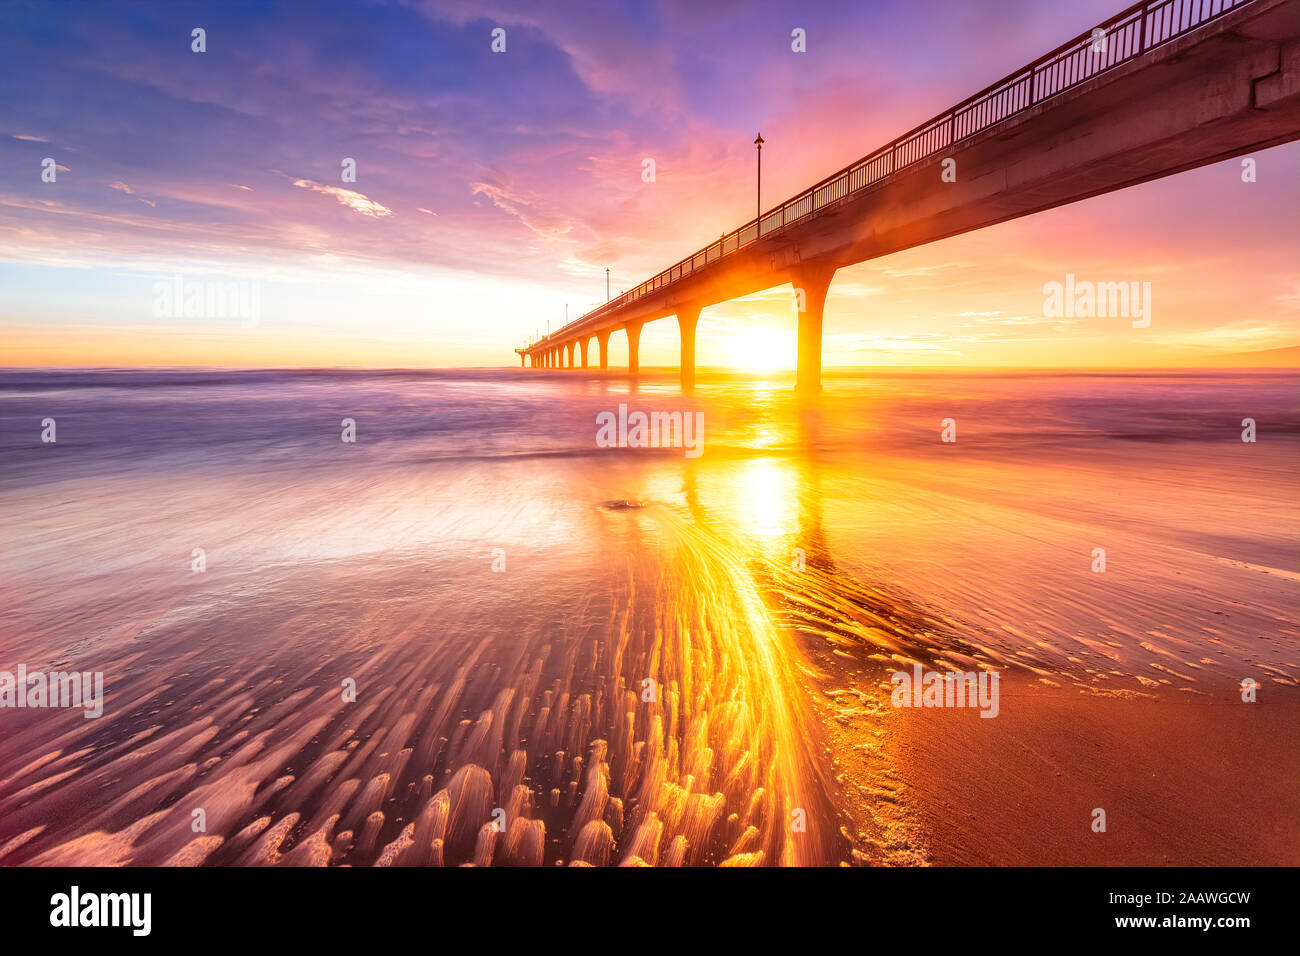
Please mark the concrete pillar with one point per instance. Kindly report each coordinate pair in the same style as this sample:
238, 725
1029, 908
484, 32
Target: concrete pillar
523, 360
633, 330
602, 340
687, 318
812, 281
582, 349
571, 353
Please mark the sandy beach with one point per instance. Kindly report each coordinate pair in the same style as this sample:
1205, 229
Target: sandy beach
645, 658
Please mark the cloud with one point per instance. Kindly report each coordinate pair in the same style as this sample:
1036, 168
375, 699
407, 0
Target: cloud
923, 270
1236, 336
547, 227
346, 197
888, 344
1289, 300
123, 187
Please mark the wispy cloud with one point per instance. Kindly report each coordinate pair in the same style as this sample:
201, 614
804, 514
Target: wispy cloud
525, 210
346, 197
124, 188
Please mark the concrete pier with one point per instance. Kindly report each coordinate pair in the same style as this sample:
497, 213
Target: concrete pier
1162, 95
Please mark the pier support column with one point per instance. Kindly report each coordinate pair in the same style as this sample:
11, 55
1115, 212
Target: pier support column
633, 330
523, 360
570, 355
687, 318
602, 340
582, 350
810, 285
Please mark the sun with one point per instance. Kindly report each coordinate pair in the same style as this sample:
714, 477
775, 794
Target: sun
761, 348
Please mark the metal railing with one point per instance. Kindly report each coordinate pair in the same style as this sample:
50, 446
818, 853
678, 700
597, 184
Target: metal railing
1124, 37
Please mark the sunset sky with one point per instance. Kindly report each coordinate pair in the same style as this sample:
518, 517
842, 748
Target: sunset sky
492, 189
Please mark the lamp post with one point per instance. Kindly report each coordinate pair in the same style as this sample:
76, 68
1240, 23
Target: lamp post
759, 143
606, 283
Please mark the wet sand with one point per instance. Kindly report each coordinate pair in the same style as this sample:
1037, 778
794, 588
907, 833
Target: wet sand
1183, 782
677, 662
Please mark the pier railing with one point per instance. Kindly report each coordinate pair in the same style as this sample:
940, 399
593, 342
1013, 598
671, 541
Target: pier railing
1124, 37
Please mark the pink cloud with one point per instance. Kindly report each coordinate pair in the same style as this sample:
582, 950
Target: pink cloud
346, 197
